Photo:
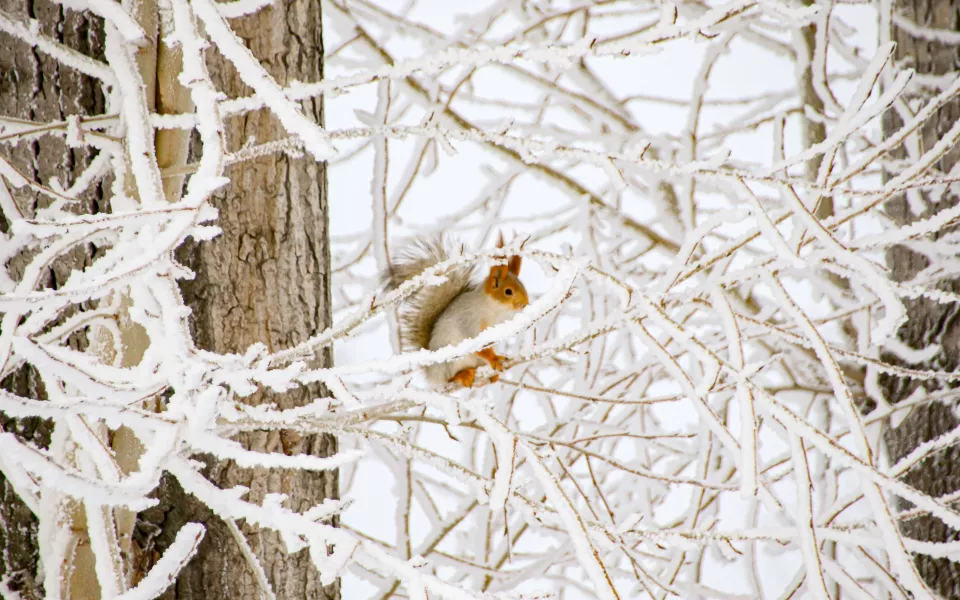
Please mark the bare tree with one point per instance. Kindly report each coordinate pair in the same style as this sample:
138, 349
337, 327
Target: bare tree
929, 323
697, 402
272, 252
264, 279
577, 151
37, 88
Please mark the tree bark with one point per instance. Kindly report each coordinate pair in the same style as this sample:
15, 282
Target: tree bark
266, 280
35, 87
929, 322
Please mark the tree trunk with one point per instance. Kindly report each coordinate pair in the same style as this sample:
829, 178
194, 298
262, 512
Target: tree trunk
35, 87
929, 322
266, 280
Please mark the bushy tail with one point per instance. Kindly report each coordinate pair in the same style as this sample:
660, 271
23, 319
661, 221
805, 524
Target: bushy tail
420, 312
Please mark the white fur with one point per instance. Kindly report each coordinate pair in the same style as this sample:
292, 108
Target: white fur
464, 318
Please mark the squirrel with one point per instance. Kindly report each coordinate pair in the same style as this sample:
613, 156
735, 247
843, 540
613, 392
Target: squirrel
459, 308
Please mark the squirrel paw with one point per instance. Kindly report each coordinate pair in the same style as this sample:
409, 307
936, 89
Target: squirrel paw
493, 359
464, 377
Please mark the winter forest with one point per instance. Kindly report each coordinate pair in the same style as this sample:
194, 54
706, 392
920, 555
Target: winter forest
736, 376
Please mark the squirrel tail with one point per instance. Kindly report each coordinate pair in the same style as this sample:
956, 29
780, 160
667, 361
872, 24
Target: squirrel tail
422, 310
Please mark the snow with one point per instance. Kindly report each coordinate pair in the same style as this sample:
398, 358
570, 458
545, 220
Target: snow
164, 572
253, 74
29, 32
676, 415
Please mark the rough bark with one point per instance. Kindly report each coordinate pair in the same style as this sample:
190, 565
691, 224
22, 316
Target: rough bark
929, 322
266, 280
35, 87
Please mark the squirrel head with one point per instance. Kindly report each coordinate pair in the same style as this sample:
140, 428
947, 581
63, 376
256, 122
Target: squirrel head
503, 283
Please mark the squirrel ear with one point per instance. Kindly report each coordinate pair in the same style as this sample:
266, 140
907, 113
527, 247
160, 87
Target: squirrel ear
514, 264
497, 272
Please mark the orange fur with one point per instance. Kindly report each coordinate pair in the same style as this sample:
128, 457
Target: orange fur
493, 359
465, 377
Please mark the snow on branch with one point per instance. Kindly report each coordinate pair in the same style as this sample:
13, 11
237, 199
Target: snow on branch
682, 402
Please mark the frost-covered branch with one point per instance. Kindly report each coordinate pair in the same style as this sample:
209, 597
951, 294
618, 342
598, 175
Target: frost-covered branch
686, 391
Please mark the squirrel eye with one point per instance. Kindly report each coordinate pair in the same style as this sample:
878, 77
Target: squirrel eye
508, 292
